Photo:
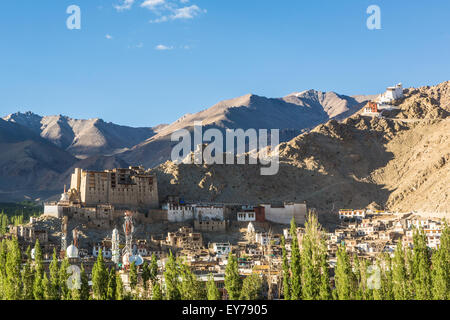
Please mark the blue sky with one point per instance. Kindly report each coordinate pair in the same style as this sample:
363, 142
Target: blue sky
214, 50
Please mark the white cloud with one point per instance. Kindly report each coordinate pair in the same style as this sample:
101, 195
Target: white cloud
159, 20
151, 4
124, 5
162, 47
167, 10
108, 36
186, 12
181, 13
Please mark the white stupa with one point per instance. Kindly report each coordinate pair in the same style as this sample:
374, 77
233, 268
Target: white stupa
72, 252
250, 228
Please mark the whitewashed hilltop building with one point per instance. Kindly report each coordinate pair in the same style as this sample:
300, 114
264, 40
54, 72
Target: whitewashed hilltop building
392, 94
383, 103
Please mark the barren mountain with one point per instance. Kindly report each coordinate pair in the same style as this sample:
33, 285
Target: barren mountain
293, 114
400, 162
29, 164
83, 138
32, 167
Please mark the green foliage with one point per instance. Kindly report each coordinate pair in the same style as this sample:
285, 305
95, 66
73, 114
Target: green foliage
212, 290
191, 288
343, 275
153, 268
55, 293
145, 275
399, 274
84, 290
156, 291
171, 276
441, 267
119, 288
133, 276
17, 213
13, 266
312, 256
421, 266
63, 277
100, 278
251, 288
27, 281
233, 282
112, 285
296, 269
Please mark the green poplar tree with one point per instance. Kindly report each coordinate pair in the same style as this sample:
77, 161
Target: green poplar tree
399, 275
84, 290
387, 281
119, 288
212, 290
46, 287
325, 287
38, 258
191, 288
156, 291
54, 278
100, 278
145, 275
409, 273
153, 267
441, 267
3, 252
13, 269
112, 285
311, 258
171, 276
359, 289
251, 288
296, 269
343, 275
63, 277
233, 282
27, 281
133, 276
421, 266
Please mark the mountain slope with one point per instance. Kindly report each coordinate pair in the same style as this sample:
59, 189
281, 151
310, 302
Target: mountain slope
82, 138
28, 163
400, 163
292, 114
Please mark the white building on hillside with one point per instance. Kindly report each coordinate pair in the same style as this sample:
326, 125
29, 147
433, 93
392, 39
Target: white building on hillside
181, 213
391, 94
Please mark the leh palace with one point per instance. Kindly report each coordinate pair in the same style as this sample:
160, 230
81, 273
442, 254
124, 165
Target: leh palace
100, 197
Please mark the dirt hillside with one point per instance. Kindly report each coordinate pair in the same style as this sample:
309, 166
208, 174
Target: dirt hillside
400, 162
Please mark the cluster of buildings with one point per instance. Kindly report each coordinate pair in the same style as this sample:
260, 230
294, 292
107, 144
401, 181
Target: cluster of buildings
370, 232
384, 101
101, 199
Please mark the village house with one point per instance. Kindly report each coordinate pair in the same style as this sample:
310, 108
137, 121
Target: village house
185, 238
221, 249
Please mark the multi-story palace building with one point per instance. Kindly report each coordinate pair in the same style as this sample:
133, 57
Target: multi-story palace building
132, 187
